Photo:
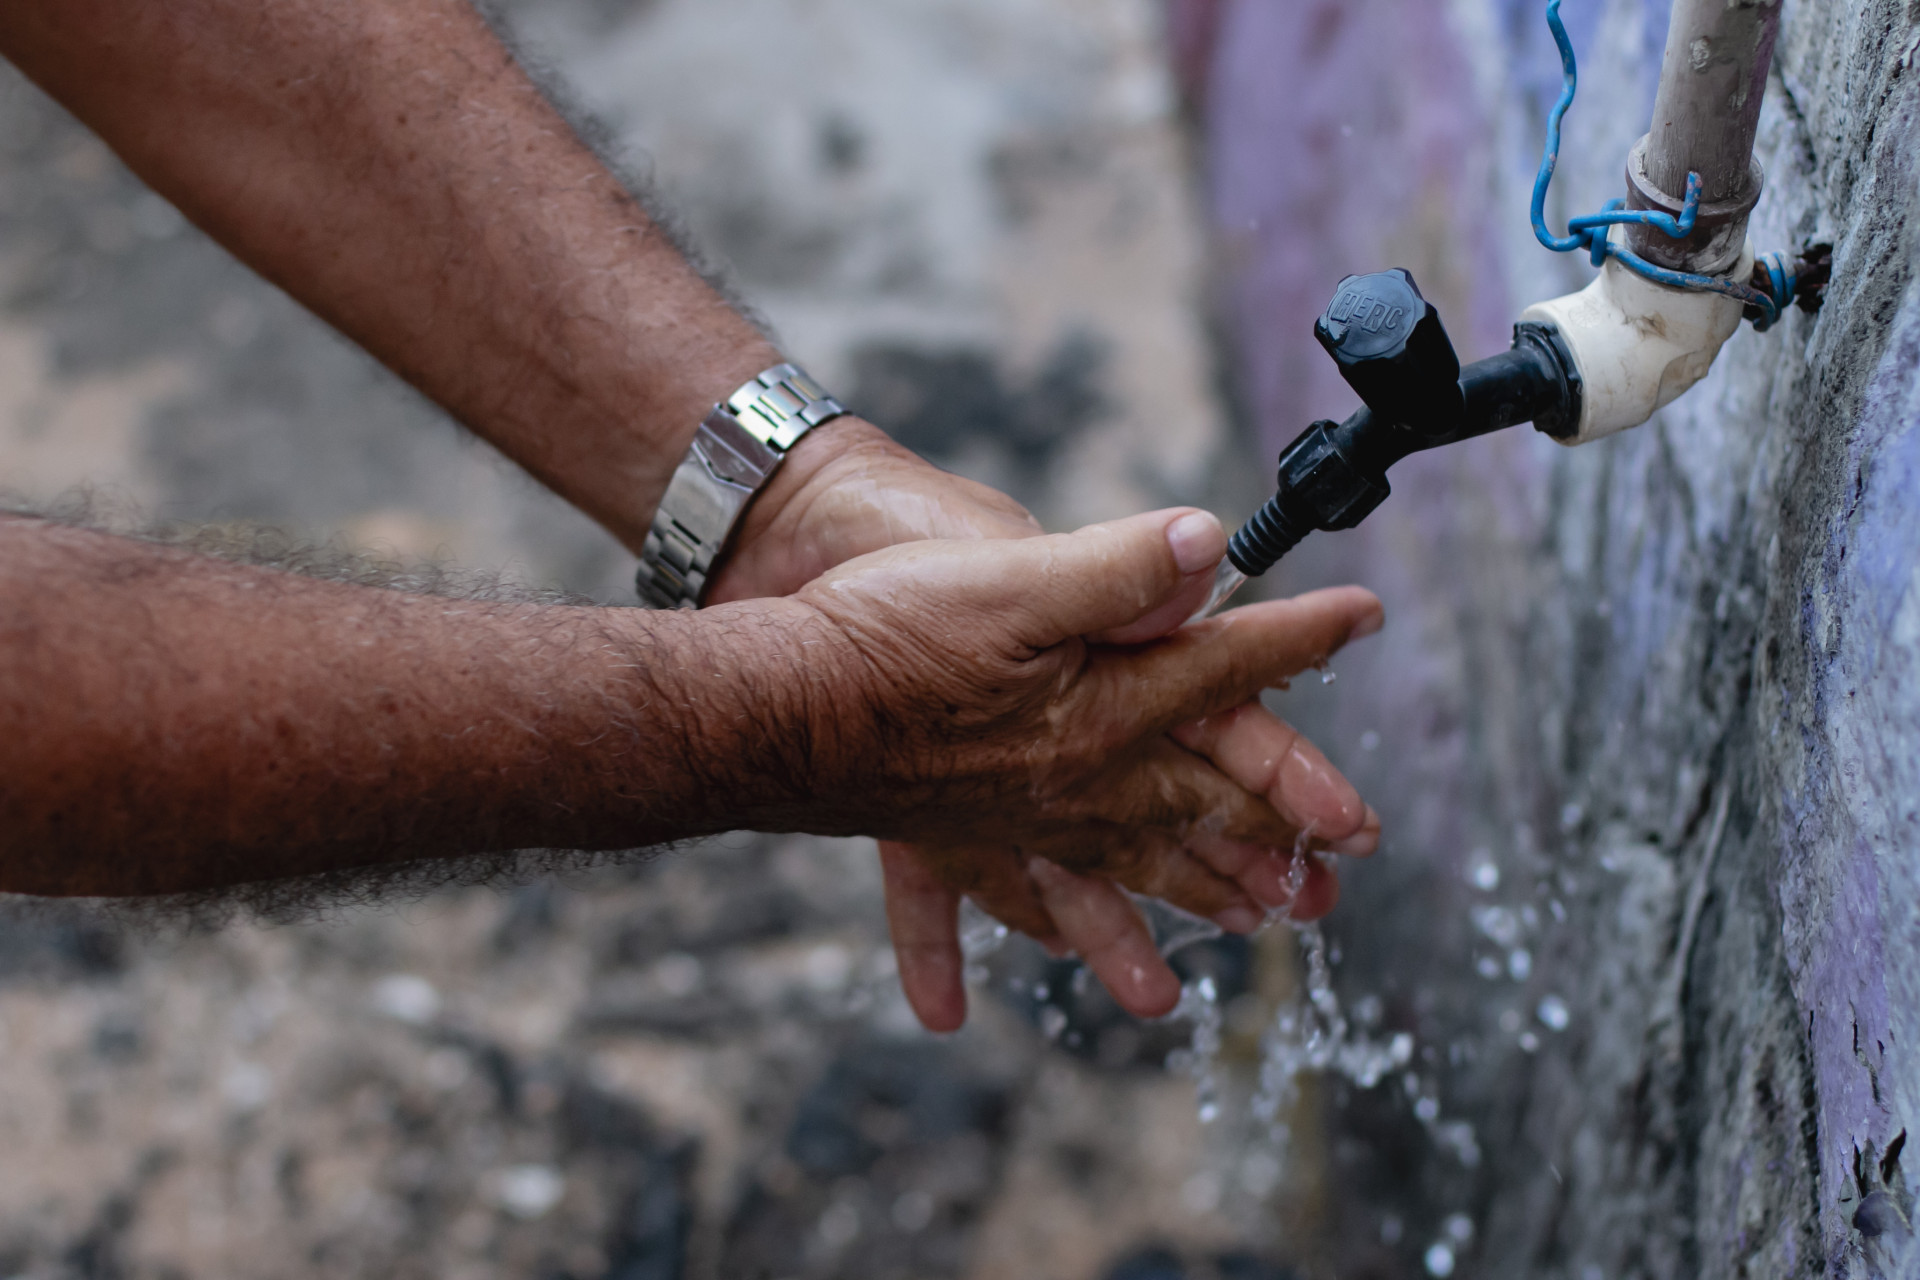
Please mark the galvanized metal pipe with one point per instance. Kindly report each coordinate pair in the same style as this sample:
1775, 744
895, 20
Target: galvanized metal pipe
1705, 114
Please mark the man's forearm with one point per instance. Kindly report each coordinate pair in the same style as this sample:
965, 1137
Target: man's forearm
388, 164
171, 722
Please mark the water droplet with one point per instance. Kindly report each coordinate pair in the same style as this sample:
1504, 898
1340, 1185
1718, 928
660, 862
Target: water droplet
1500, 924
980, 934
1439, 1260
1458, 1138
1553, 1013
1459, 1228
1426, 1110
1486, 966
1209, 1111
1529, 1042
1326, 675
1520, 964
405, 997
1053, 1020
1559, 912
528, 1191
1370, 740
1570, 815
1484, 872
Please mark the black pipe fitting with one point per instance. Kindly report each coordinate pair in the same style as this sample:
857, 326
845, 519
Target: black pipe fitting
1391, 348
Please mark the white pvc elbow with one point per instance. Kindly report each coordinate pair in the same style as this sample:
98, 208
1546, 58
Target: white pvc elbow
1637, 344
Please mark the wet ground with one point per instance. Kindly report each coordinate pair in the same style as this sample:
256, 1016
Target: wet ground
981, 228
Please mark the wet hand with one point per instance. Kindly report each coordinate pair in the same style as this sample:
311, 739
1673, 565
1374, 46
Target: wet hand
847, 490
1087, 913
1090, 782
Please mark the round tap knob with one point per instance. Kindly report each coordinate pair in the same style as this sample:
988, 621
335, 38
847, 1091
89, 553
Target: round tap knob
1391, 348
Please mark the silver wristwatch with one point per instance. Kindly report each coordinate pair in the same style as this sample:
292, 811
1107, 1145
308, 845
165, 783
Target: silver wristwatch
735, 451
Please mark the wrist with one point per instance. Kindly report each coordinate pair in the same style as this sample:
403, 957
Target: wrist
818, 461
758, 704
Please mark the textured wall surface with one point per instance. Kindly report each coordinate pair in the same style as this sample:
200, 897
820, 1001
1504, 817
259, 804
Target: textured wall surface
1645, 723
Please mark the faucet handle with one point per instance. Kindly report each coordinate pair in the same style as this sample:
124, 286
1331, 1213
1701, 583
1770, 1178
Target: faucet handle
1393, 350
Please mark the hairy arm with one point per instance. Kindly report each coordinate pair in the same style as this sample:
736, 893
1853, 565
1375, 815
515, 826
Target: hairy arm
171, 722
390, 165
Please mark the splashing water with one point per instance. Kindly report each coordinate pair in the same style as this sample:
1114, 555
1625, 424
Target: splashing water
1311, 1033
980, 936
1200, 1004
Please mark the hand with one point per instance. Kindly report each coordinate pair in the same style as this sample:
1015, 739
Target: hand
848, 489
845, 490
1155, 816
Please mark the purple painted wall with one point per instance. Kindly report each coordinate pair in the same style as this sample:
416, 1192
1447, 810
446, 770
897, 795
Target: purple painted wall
1667, 685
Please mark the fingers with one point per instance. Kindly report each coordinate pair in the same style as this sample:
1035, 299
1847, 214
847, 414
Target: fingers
1260, 871
1271, 758
1098, 579
1319, 889
1224, 661
1176, 793
995, 877
1100, 922
1161, 868
923, 918
1095, 918
1166, 618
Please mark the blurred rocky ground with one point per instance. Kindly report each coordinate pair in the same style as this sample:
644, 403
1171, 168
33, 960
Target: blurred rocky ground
975, 217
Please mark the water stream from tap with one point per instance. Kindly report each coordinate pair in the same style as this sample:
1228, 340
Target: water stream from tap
1227, 579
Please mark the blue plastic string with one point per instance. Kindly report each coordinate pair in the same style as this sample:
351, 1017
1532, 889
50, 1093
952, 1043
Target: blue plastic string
1590, 231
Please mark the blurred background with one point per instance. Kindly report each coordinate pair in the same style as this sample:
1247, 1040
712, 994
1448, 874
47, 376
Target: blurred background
983, 229
1072, 248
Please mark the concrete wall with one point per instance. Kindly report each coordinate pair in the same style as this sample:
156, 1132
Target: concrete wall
1645, 723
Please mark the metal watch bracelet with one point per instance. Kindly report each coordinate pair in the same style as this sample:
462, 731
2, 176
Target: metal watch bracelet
735, 452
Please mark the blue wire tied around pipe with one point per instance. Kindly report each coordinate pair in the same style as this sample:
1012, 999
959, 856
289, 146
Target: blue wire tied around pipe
1590, 231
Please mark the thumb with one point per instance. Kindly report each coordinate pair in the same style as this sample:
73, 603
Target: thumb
1105, 576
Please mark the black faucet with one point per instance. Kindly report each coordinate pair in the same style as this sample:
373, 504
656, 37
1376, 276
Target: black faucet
1393, 350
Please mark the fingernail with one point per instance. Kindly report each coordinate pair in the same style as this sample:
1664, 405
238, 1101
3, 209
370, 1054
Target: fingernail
1358, 845
1362, 842
1239, 919
1197, 541
1367, 625
1047, 873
